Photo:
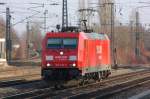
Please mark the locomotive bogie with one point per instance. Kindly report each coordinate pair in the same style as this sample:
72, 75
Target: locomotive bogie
60, 74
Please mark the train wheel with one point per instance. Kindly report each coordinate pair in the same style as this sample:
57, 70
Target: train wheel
99, 76
95, 77
107, 74
58, 85
82, 81
45, 78
103, 74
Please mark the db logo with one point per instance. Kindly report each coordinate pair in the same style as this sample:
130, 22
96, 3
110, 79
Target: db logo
99, 49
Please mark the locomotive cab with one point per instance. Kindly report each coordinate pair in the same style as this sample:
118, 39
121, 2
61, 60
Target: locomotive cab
59, 55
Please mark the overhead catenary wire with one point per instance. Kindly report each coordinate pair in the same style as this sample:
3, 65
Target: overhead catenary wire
25, 18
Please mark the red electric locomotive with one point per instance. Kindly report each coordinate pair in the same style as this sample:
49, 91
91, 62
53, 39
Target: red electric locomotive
71, 55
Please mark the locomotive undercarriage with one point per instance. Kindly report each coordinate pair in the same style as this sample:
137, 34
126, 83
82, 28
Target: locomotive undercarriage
62, 74
98, 75
72, 73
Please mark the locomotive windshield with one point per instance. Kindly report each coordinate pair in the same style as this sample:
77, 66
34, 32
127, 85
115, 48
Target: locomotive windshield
62, 43
54, 43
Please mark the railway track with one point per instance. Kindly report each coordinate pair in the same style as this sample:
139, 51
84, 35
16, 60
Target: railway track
29, 95
15, 82
89, 90
12, 81
107, 89
127, 87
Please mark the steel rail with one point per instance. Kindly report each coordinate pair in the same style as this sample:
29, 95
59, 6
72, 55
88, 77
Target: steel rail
29, 94
119, 90
11, 83
112, 88
49, 92
74, 91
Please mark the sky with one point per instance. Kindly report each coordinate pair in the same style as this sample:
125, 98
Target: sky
21, 10
128, 6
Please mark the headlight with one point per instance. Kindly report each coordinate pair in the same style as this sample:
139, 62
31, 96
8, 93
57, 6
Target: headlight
49, 58
72, 58
74, 65
48, 65
61, 53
